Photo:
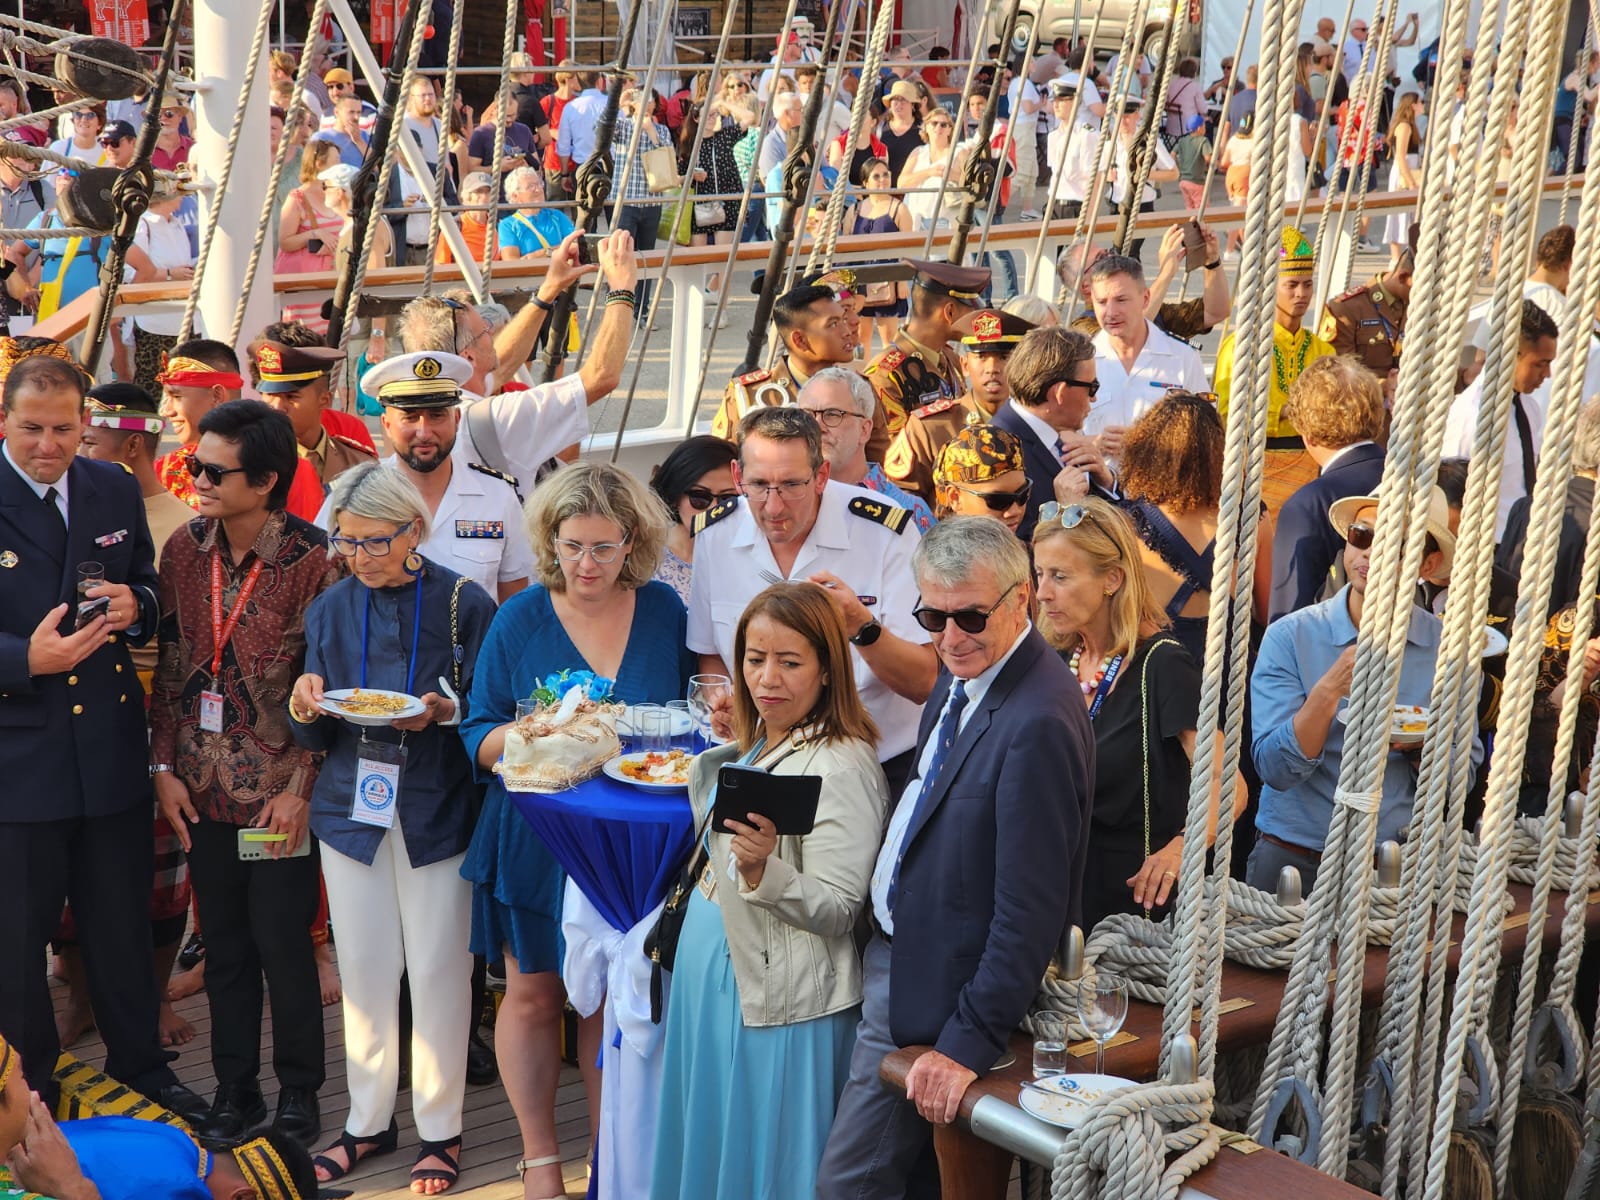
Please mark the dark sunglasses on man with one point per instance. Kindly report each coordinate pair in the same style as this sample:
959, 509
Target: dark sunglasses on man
968, 620
1359, 534
212, 471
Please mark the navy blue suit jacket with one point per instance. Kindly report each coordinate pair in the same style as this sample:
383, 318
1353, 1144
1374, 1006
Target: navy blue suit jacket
72, 744
1304, 545
993, 862
1039, 464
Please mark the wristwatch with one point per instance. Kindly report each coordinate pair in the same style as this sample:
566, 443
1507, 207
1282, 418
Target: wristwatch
544, 304
867, 634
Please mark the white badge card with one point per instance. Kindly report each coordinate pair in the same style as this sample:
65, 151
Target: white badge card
377, 790
211, 712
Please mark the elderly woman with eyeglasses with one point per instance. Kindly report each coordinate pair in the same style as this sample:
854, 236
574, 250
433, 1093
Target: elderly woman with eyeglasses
393, 810
597, 537
1143, 694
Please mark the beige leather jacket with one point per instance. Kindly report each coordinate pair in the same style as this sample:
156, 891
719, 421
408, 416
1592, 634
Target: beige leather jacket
790, 939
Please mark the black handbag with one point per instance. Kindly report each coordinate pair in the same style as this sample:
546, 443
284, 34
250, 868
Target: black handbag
661, 943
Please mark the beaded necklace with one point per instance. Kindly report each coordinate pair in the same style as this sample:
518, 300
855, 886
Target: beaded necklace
1301, 353
1092, 686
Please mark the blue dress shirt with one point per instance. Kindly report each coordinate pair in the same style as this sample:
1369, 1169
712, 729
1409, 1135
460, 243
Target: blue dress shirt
1297, 792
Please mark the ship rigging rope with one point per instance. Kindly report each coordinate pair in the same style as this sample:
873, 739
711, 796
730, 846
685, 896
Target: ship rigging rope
447, 106
508, 41
1361, 179
208, 231
1149, 134
823, 247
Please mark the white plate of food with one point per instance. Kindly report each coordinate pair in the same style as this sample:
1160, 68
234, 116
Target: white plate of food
1407, 725
1494, 642
1065, 1100
371, 706
655, 770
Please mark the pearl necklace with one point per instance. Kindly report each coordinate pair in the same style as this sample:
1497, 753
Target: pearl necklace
1093, 686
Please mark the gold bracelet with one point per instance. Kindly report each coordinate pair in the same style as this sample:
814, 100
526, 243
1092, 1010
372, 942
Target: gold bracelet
294, 715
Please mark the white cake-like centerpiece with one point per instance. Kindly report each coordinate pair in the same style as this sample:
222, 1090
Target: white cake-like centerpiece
564, 734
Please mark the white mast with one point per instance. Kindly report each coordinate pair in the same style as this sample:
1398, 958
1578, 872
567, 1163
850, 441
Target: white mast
221, 57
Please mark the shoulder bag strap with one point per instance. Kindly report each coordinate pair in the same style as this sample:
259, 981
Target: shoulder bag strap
456, 651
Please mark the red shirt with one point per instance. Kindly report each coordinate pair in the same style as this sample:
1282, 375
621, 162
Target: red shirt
305, 493
553, 104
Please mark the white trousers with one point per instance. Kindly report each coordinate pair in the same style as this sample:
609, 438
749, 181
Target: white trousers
392, 917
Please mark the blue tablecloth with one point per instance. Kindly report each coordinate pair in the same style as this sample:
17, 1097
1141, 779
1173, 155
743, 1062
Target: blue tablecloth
622, 845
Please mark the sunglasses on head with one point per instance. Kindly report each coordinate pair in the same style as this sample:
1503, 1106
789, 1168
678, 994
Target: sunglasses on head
1070, 515
212, 471
700, 498
1359, 534
999, 502
968, 620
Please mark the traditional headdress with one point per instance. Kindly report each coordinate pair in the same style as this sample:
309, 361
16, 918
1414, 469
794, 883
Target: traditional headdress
265, 1171
15, 349
182, 371
1295, 256
978, 454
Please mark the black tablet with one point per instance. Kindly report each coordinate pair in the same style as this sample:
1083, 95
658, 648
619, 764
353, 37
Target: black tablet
788, 801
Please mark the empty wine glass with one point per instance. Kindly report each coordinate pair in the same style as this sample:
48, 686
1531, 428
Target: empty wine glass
706, 692
1102, 1008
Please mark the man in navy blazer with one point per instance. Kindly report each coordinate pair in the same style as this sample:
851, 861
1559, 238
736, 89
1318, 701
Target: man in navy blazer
1052, 378
1336, 405
76, 808
982, 867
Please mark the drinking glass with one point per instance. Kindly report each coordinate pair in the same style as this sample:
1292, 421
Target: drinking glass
651, 721
680, 725
90, 574
705, 692
1049, 1044
526, 708
1102, 1008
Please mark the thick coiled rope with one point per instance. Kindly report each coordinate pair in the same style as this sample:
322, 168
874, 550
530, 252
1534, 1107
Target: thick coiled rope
882, 26
1123, 1148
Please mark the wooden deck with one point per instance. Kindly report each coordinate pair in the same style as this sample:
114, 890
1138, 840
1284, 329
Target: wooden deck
491, 1143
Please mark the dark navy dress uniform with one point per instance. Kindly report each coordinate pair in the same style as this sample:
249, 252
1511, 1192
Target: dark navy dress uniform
76, 807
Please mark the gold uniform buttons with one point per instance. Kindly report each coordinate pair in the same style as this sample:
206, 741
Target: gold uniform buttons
77, 710
72, 680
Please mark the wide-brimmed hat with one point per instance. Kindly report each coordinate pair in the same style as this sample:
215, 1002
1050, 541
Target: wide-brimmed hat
903, 89
1343, 512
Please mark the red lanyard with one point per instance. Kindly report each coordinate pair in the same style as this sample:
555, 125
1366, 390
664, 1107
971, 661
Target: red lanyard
221, 631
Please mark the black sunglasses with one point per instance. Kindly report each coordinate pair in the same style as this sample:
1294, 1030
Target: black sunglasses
1092, 386
1360, 535
211, 471
700, 498
968, 620
998, 502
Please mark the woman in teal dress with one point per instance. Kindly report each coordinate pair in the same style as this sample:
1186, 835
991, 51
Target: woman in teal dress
597, 536
766, 989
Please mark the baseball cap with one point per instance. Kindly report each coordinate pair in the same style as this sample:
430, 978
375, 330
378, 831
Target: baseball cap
477, 181
338, 75
115, 132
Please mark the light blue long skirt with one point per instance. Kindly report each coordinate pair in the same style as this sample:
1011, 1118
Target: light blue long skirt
744, 1112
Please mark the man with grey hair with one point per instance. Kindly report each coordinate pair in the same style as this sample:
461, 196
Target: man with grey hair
793, 521
1576, 513
955, 968
843, 403
514, 433
787, 109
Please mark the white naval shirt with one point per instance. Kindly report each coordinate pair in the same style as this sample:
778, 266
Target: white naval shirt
478, 530
532, 426
1074, 158
1125, 396
872, 559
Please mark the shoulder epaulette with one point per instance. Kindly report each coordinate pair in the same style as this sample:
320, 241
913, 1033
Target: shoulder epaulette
938, 406
891, 516
715, 513
481, 469
754, 377
1348, 295
892, 357
351, 442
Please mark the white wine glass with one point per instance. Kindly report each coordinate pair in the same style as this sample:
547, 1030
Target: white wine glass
1102, 1008
706, 693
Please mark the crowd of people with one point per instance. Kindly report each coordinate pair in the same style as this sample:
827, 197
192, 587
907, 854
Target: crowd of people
965, 580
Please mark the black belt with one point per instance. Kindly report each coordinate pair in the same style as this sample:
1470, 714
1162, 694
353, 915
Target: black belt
1286, 443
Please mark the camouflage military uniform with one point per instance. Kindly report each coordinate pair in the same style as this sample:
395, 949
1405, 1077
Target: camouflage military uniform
773, 388
905, 377
1369, 322
916, 448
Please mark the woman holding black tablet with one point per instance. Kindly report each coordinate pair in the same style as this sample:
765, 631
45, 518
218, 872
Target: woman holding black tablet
766, 987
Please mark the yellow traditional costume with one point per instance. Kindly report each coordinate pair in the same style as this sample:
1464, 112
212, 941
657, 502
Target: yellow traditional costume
1287, 463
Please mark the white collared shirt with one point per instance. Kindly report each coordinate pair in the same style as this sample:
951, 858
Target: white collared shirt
1125, 396
1461, 425
1035, 422
731, 554
900, 822
532, 425
39, 489
1073, 153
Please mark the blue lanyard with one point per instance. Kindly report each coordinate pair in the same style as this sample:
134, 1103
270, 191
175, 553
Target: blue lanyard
416, 631
1104, 689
